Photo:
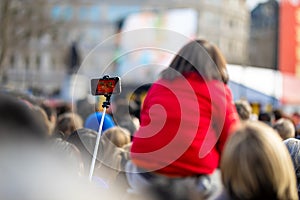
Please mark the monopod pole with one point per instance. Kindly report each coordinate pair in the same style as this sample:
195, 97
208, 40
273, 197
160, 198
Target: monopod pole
97, 145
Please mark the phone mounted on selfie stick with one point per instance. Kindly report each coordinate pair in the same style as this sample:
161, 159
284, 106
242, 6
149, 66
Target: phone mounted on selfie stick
105, 86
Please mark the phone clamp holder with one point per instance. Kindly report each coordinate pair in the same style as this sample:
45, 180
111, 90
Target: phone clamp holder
106, 103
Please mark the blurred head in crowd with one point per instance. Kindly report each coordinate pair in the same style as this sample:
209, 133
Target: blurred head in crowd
41, 114
117, 136
257, 165
244, 109
67, 123
293, 146
63, 107
19, 122
51, 115
296, 118
285, 128
266, 118
111, 153
278, 114
198, 56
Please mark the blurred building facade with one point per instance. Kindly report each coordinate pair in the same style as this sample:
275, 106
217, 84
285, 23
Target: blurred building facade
263, 43
226, 23
30, 59
90, 22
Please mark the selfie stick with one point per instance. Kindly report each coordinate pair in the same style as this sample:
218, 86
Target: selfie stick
105, 105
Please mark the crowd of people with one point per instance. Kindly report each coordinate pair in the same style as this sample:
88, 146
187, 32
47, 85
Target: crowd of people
189, 141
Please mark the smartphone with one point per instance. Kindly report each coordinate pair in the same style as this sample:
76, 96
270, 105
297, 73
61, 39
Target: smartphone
106, 86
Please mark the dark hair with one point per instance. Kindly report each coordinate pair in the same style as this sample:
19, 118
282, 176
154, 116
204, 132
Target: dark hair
265, 117
165, 188
278, 114
50, 111
67, 123
18, 122
63, 107
198, 56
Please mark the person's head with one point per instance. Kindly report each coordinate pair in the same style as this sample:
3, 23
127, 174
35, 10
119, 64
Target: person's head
63, 107
285, 128
51, 115
293, 146
198, 56
18, 121
255, 164
278, 114
244, 109
266, 118
117, 136
67, 123
41, 114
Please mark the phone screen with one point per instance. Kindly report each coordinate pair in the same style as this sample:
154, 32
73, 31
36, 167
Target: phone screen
105, 86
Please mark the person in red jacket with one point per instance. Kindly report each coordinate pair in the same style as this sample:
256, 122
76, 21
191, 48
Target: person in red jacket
186, 118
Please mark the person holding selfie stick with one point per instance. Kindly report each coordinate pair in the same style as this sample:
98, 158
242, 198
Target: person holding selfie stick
186, 119
105, 86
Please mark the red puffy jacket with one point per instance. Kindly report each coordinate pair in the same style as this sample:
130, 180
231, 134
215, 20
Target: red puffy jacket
184, 126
